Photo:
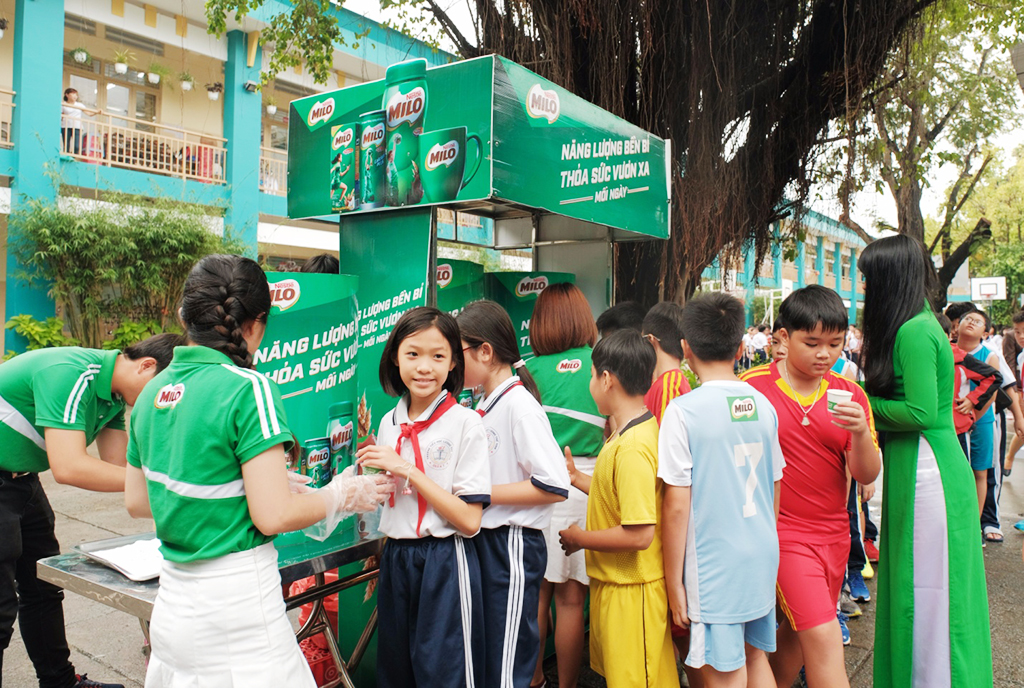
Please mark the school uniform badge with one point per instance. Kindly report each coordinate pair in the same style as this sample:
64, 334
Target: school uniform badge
492, 441
439, 454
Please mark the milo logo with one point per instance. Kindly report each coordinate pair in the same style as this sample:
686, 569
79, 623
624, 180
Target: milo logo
373, 136
341, 437
531, 286
284, 294
442, 155
444, 275
742, 408
542, 104
320, 112
318, 457
569, 365
169, 396
343, 139
406, 107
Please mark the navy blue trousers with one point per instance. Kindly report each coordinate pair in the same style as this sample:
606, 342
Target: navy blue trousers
512, 563
430, 615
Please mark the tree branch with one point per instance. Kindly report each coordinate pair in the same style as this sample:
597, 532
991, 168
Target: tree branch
466, 48
934, 132
982, 232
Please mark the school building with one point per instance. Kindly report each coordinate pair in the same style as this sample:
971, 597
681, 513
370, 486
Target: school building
211, 140
826, 255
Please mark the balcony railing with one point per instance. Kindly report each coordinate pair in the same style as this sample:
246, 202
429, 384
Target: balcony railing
120, 141
6, 118
273, 171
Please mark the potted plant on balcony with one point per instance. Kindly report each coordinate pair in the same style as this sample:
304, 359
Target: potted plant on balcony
271, 105
122, 58
155, 72
187, 81
214, 90
81, 56
3, 26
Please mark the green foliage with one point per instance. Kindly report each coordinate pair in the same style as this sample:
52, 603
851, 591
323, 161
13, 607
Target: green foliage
39, 334
1006, 259
761, 308
130, 332
1001, 200
112, 261
309, 31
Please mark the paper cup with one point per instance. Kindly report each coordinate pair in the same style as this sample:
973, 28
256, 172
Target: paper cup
835, 396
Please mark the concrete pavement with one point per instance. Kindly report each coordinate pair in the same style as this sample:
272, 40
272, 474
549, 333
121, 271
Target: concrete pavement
108, 644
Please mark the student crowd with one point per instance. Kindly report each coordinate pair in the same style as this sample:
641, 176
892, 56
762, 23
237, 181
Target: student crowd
722, 525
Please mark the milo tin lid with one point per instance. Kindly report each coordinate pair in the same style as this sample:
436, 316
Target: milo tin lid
341, 408
413, 69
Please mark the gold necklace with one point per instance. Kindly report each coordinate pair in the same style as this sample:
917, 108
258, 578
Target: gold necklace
817, 392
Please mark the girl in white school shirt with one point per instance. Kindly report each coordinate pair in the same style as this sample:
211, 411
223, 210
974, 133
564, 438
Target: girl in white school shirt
528, 475
429, 602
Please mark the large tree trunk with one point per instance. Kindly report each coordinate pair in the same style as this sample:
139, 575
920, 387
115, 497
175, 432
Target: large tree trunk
910, 219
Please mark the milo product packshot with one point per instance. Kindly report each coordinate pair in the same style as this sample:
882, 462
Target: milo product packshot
405, 108
341, 432
316, 461
372, 160
344, 147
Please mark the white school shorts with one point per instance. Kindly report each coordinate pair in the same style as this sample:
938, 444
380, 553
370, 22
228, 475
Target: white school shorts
221, 623
571, 510
723, 646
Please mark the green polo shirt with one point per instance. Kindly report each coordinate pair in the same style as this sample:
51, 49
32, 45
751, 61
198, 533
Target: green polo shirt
66, 388
193, 427
564, 383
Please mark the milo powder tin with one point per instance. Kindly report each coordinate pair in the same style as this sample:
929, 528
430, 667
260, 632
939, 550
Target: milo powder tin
372, 160
341, 431
344, 154
405, 108
316, 461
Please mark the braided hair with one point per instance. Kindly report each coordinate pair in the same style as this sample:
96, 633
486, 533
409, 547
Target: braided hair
222, 294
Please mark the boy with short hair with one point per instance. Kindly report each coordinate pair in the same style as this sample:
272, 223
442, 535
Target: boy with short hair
664, 330
630, 644
819, 445
720, 459
625, 315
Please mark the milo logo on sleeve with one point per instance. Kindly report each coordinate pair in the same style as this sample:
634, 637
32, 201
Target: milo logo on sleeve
406, 107
284, 294
442, 155
543, 104
742, 408
169, 396
531, 286
567, 365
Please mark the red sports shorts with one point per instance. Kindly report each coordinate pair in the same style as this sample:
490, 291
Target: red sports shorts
810, 579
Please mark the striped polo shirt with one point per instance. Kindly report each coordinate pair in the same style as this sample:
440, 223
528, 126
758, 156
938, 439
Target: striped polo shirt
66, 388
564, 383
193, 427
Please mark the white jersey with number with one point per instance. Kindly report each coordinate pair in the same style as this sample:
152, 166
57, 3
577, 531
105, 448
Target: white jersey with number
722, 439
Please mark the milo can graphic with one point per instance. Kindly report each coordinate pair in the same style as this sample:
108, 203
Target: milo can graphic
405, 107
344, 142
372, 160
465, 398
341, 431
316, 461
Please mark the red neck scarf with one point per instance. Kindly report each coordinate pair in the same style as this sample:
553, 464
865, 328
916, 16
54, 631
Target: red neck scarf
490, 406
411, 432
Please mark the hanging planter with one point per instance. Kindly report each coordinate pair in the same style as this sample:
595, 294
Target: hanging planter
156, 72
81, 56
214, 90
187, 81
122, 58
271, 106
3, 26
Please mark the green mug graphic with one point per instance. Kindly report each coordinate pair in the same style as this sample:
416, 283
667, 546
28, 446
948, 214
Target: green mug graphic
443, 168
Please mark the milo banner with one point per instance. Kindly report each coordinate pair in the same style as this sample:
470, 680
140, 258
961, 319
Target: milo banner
391, 260
310, 346
481, 130
517, 292
458, 283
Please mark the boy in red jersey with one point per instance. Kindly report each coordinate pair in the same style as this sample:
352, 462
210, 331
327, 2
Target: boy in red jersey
663, 329
819, 446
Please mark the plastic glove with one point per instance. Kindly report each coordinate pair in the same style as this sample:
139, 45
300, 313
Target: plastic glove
347, 494
299, 484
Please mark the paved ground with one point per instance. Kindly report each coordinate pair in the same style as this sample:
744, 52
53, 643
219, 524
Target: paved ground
108, 644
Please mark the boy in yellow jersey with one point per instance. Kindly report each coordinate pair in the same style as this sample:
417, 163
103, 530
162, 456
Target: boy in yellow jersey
630, 644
